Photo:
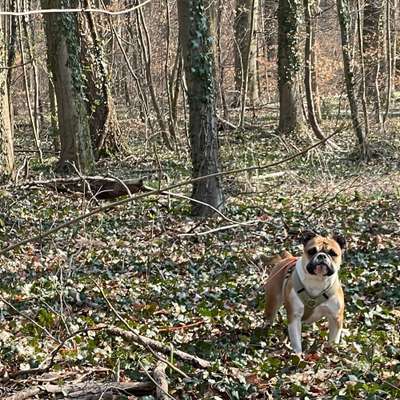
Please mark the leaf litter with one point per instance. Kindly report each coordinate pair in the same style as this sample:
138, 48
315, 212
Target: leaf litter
203, 293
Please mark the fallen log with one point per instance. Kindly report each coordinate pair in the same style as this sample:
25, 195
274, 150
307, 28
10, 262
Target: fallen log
158, 346
99, 187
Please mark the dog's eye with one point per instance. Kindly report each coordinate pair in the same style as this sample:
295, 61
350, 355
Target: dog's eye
332, 253
312, 251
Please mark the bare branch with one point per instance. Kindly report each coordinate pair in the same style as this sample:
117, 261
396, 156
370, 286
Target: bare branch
73, 10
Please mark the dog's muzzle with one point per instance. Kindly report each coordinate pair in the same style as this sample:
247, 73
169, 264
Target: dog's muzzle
320, 264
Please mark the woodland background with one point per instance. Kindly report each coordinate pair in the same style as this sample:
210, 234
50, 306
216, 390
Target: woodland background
124, 274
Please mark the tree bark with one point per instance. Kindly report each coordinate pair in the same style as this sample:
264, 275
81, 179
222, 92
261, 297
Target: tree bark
344, 22
194, 30
63, 54
7, 164
288, 67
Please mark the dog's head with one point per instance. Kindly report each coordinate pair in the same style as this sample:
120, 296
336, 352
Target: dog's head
322, 256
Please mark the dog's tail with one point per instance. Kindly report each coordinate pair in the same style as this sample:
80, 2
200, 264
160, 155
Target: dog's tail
271, 261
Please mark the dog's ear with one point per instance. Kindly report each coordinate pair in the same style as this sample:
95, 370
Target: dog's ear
306, 236
340, 240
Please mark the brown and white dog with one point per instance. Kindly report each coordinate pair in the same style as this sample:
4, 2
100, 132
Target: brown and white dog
309, 287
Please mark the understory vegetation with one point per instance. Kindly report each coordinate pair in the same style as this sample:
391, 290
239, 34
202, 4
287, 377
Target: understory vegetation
196, 284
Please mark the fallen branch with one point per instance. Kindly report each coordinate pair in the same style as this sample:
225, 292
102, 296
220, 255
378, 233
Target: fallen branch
160, 377
24, 394
158, 346
86, 390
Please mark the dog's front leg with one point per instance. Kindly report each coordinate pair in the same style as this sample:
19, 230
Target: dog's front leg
335, 328
295, 310
294, 328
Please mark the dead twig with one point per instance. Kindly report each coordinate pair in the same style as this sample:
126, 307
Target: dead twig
73, 10
221, 228
181, 327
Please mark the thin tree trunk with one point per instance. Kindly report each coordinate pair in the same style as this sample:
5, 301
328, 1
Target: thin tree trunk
194, 30
7, 163
26, 85
308, 70
29, 32
250, 66
362, 67
246, 50
344, 22
390, 60
169, 78
372, 43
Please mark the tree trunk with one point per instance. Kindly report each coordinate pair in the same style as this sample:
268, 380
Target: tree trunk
344, 22
288, 67
308, 70
246, 50
372, 43
103, 122
194, 30
63, 54
7, 165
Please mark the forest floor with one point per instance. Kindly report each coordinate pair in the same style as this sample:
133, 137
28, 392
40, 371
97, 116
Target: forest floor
196, 285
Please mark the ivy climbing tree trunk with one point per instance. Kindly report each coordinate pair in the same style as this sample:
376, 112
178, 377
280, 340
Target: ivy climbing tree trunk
7, 165
344, 22
103, 122
194, 31
290, 112
63, 55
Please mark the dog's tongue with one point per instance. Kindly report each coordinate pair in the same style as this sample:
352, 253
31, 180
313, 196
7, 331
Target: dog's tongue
320, 269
